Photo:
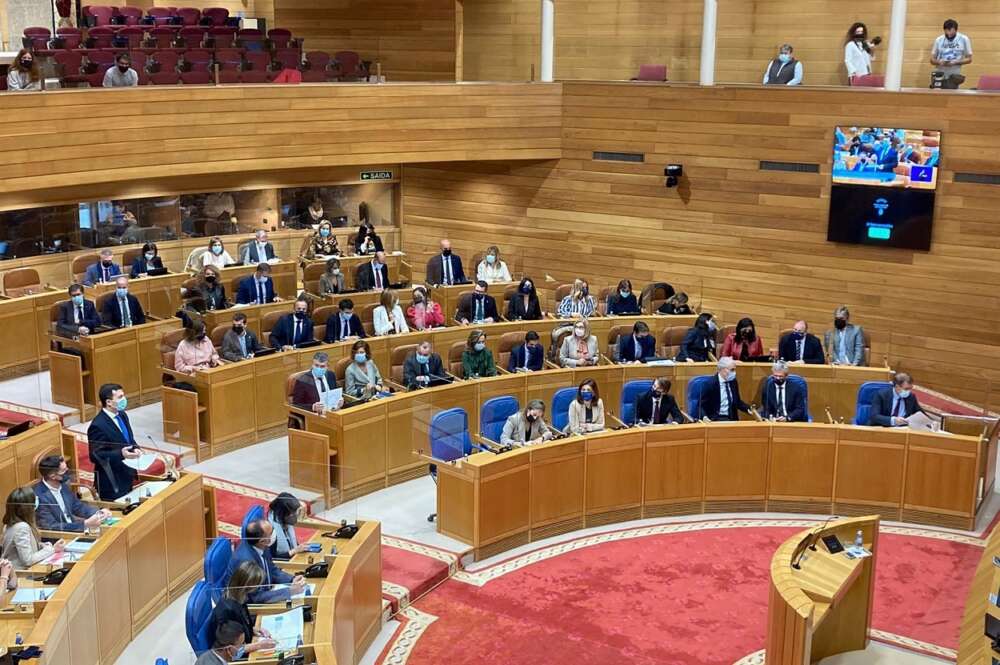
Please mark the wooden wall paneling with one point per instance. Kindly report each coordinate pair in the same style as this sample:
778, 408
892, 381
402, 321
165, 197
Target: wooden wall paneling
501, 39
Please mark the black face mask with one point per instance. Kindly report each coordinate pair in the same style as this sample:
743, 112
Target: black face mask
200, 336
585, 292
26, 64
300, 315
107, 264
238, 330
480, 296
839, 324
530, 419
446, 252
779, 382
123, 68
526, 289
657, 393
209, 278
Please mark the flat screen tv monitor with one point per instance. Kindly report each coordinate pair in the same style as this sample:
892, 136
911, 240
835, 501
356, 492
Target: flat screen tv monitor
883, 190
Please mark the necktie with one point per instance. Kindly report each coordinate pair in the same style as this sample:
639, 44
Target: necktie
729, 394
267, 571
123, 428
781, 401
321, 384
126, 314
479, 309
899, 407
527, 354
378, 276
79, 314
298, 332
104, 272
638, 349
799, 346
447, 270
243, 344
656, 410
260, 293
343, 328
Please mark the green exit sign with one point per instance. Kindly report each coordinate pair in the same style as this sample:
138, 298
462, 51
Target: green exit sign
376, 175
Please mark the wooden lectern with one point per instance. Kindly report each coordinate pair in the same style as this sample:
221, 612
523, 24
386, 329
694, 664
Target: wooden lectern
825, 606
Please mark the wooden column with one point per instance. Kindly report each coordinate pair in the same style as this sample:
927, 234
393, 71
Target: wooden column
459, 41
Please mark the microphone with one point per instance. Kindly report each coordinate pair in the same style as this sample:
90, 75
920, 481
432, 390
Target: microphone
812, 538
829, 519
172, 474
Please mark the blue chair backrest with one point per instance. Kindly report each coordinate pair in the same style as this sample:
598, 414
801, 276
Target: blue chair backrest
561, 399
696, 386
862, 412
217, 564
630, 393
798, 381
255, 513
197, 616
494, 414
449, 434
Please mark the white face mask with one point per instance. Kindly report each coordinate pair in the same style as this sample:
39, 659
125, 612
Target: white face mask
580, 332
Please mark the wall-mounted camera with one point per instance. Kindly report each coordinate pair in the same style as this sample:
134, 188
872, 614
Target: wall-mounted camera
673, 172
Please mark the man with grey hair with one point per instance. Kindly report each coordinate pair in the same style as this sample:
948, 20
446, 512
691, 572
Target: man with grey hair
311, 388
785, 69
526, 427
784, 400
104, 271
720, 399
892, 406
260, 250
845, 342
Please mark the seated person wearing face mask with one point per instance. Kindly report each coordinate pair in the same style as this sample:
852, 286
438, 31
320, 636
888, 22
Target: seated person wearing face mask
233, 607
283, 513
477, 360
104, 271
310, 388
59, 508
374, 276
492, 269
121, 75
421, 367
211, 289
256, 547
77, 316
844, 344
424, 313
580, 348
785, 69
148, 260
586, 412
196, 350
524, 304
638, 346
122, 310
801, 346
720, 400
477, 307
657, 406
216, 255
293, 329
743, 343
892, 406
345, 324
228, 645
623, 302
526, 427
784, 400
332, 279
362, 378
698, 344
239, 343
258, 288
527, 357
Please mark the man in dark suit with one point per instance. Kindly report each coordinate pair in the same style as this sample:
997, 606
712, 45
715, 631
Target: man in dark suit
122, 310
111, 442
892, 406
421, 367
720, 400
311, 387
77, 316
345, 324
446, 267
59, 508
239, 343
105, 270
477, 307
784, 400
260, 250
373, 276
527, 357
638, 346
256, 547
657, 406
801, 346
293, 329
258, 288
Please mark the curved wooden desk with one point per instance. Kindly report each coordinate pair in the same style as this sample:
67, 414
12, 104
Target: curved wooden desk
974, 648
497, 502
824, 606
360, 449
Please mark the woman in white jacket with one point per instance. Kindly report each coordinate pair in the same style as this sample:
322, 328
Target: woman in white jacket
22, 545
388, 317
858, 54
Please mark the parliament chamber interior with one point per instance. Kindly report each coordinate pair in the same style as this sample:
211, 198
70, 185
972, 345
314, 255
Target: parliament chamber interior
339, 332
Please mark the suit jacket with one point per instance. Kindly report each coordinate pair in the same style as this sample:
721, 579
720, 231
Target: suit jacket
231, 345
65, 324
669, 411
253, 256
693, 346
284, 330
139, 266
536, 358
93, 273
246, 292
435, 270
734, 349
517, 312
265, 593
854, 341
366, 277
881, 411
412, 369
626, 347
333, 328
305, 393
812, 351
228, 609
795, 401
112, 314
467, 308
711, 397
48, 516
106, 441
214, 296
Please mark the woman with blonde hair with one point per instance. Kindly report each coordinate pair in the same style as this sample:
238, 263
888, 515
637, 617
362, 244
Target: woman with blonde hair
211, 289
388, 316
234, 603
492, 269
332, 279
424, 313
579, 302
323, 243
580, 348
24, 73
22, 544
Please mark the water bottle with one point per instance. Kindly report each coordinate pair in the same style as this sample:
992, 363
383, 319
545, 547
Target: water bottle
18, 639
859, 539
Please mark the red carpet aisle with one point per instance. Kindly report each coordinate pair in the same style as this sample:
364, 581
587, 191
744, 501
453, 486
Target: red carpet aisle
683, 593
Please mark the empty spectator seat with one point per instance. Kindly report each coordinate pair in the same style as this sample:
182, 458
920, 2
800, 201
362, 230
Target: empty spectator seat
161, 15
36, 38
189, 15
100, 37
257, 60
162, 36
347, 66
69, 63
197, 60
198, 77
251, 39
222, 36
168, 77
288, 58
279, 37
315, 69
229, 58
193, 36
164, 61
217, 15
133, 35
133, 15
71, 38
255, 76
101, 14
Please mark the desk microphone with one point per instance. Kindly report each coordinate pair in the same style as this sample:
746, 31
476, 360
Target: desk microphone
816, 532
170, 476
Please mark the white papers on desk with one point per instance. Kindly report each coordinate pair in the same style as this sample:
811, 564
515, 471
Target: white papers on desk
285, 628
32, 595
660, 362
331, 398
273, 261
142, 462
921, 421
857, 552
154, 487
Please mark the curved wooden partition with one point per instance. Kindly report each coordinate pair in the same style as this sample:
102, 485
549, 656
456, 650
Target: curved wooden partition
496, 502
367, 447
974, 647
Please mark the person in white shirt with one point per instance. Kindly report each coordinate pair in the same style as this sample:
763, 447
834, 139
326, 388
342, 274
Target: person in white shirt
216, 255
388, 317
23, 73
492, 269
260, 250
785, 69
859, 52
950, 51
121, 75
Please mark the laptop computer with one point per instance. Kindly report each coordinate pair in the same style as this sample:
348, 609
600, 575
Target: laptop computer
311, 343
156, 272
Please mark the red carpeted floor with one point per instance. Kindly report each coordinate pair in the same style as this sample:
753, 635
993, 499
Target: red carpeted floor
696, 597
